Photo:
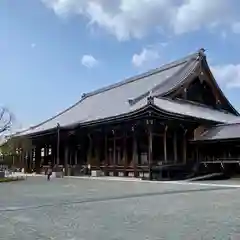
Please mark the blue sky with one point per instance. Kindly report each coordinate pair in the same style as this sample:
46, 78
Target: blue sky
52, 51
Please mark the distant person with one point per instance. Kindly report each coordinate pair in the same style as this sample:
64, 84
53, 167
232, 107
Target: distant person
49, 173
89, 169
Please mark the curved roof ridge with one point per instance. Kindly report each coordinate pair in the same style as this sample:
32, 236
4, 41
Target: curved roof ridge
182, 76
164, 67
157, 87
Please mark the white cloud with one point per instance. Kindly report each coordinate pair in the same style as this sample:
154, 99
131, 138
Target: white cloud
144, 57
127, 19
236, 27
123, 18
89, 61
227, 75
195, 14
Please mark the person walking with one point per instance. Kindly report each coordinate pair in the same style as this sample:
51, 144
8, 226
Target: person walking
49, 173
89, 169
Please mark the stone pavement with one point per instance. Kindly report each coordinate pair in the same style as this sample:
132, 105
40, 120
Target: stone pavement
71, 208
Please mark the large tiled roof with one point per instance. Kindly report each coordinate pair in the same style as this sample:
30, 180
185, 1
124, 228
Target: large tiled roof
130, 95
114, 100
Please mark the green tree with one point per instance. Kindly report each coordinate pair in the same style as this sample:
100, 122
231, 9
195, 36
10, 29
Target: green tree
13, 150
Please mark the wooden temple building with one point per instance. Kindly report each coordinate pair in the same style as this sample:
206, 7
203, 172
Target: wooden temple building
154, 125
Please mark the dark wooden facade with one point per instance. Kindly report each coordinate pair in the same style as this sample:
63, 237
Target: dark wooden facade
129, 148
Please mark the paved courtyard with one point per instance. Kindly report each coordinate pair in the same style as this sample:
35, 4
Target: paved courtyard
65, 209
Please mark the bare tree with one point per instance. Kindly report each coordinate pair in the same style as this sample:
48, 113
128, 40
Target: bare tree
10, 139
6, 120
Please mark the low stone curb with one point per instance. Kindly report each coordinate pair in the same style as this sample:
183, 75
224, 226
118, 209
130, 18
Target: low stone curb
12, 179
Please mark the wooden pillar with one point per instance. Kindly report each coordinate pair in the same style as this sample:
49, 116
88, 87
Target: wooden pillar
199, 151
31, 154
125, 161
150, 146
175, 146
76, 157
184, 147
24, 162
165, 143
26, 156
50, 155
13, 160
46, 156
119, 156
66, 157
197, 154
58, 145
37, 159
20, 158
97, 151
33, 165
90, 146
134, 156
106, 150
114, 148
28, 159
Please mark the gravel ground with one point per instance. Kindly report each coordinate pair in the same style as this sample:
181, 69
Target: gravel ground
69, 209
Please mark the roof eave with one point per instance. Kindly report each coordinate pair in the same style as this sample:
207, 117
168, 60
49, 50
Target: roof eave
184, 116
215, 140
120, 117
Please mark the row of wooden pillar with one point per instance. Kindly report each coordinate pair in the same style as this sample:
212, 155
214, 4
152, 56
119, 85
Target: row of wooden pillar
134, 148
56, 156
